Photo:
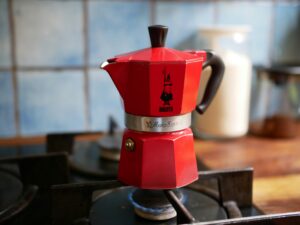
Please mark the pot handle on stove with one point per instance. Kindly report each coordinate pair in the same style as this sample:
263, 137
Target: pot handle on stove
213, 84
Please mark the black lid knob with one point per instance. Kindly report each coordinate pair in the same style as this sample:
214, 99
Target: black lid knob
158, 34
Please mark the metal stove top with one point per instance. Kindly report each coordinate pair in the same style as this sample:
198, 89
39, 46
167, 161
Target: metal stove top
46, 194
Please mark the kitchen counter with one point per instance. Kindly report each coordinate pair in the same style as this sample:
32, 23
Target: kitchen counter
276, 165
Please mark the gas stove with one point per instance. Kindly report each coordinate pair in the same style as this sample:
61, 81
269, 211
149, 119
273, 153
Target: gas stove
39, 189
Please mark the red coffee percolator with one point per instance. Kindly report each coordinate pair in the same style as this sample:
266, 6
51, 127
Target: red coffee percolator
159, 87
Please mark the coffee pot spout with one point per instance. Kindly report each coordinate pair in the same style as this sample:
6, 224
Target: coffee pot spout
118, 71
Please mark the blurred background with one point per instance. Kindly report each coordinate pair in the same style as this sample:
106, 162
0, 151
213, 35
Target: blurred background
50, 52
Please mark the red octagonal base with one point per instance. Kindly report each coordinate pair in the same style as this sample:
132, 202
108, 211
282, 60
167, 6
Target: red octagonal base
158, 160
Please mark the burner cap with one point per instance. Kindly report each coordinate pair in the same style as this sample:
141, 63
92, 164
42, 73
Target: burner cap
153, 204
86, 161
110, 146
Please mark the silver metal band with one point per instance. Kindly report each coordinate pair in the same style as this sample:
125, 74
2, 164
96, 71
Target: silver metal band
157, 124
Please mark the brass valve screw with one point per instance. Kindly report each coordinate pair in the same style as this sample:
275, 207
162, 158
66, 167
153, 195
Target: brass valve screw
129, 144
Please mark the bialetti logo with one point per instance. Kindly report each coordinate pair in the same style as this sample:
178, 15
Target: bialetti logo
164, 124
166, 95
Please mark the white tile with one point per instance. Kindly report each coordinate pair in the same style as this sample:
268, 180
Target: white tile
105, 101
4, 35
7, 121
117, 27
49, 33
51, 102
183, 20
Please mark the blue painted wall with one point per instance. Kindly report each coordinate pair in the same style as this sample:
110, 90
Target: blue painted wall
55, 85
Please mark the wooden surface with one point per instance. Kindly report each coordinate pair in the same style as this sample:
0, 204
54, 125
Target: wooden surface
276, 164
268, 157
21, 141
277, 194
18, 141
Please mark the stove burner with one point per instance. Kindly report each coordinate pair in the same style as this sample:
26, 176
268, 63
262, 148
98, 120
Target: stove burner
207, 199
84, 156
110, 146
26, 183
153, 204
115, 208
86, 160
10, 189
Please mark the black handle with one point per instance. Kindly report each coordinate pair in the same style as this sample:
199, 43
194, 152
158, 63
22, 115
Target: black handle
218, 68
158, 34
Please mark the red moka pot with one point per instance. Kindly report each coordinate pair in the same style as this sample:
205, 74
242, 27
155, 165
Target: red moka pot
159, 87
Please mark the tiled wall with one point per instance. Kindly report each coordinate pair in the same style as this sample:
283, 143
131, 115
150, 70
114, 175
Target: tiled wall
50, 51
